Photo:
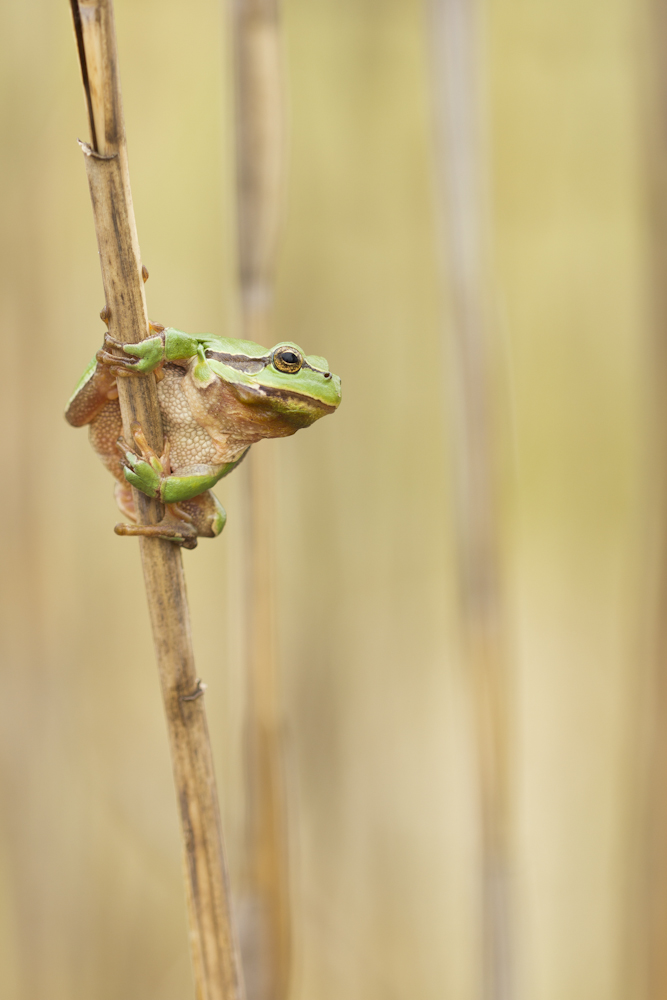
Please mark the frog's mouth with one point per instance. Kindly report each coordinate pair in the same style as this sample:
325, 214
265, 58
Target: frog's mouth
293, 406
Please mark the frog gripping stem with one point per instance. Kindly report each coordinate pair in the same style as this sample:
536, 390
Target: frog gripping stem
212, 935
146, 472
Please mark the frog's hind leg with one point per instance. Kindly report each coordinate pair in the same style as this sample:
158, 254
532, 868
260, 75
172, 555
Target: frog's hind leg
125, 501
201, 517
204, 512
104, 431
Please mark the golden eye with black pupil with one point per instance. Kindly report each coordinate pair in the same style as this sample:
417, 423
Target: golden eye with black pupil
286, 359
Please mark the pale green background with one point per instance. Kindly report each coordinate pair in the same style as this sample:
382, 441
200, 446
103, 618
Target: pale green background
384, 843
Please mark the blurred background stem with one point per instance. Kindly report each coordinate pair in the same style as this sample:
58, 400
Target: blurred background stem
259, 174
652, 896
461, 173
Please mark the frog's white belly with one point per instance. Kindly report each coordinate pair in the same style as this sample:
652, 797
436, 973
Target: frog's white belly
191, 444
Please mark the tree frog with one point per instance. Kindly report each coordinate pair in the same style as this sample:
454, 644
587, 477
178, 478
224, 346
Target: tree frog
217, 397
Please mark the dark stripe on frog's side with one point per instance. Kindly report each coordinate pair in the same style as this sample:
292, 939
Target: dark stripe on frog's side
251, 366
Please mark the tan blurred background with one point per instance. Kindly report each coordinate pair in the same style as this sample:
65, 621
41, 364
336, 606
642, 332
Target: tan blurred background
380, 766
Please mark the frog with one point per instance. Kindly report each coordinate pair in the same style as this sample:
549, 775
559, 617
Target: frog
218, 396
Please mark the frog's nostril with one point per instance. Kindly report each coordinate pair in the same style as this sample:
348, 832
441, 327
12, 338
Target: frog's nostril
327, 374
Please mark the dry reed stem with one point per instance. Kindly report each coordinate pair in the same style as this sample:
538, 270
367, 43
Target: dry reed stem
259, 152
455, 40
212, 936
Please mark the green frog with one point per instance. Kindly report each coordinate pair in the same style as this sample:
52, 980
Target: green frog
217, 397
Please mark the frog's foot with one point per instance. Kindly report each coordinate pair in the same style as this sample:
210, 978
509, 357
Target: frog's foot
204, 512
145, 357
180, 532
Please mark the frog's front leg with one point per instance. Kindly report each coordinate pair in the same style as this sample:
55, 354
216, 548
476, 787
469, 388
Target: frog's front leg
151, 473
145, 357
150, 354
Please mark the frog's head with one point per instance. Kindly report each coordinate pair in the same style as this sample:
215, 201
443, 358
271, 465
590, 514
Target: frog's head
280, 390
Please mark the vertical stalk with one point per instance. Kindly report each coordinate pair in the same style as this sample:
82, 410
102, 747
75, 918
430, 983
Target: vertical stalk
211, 932
652, 896
259, 153
455, 42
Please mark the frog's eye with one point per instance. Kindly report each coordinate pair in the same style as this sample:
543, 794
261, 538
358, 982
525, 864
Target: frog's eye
286, 359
